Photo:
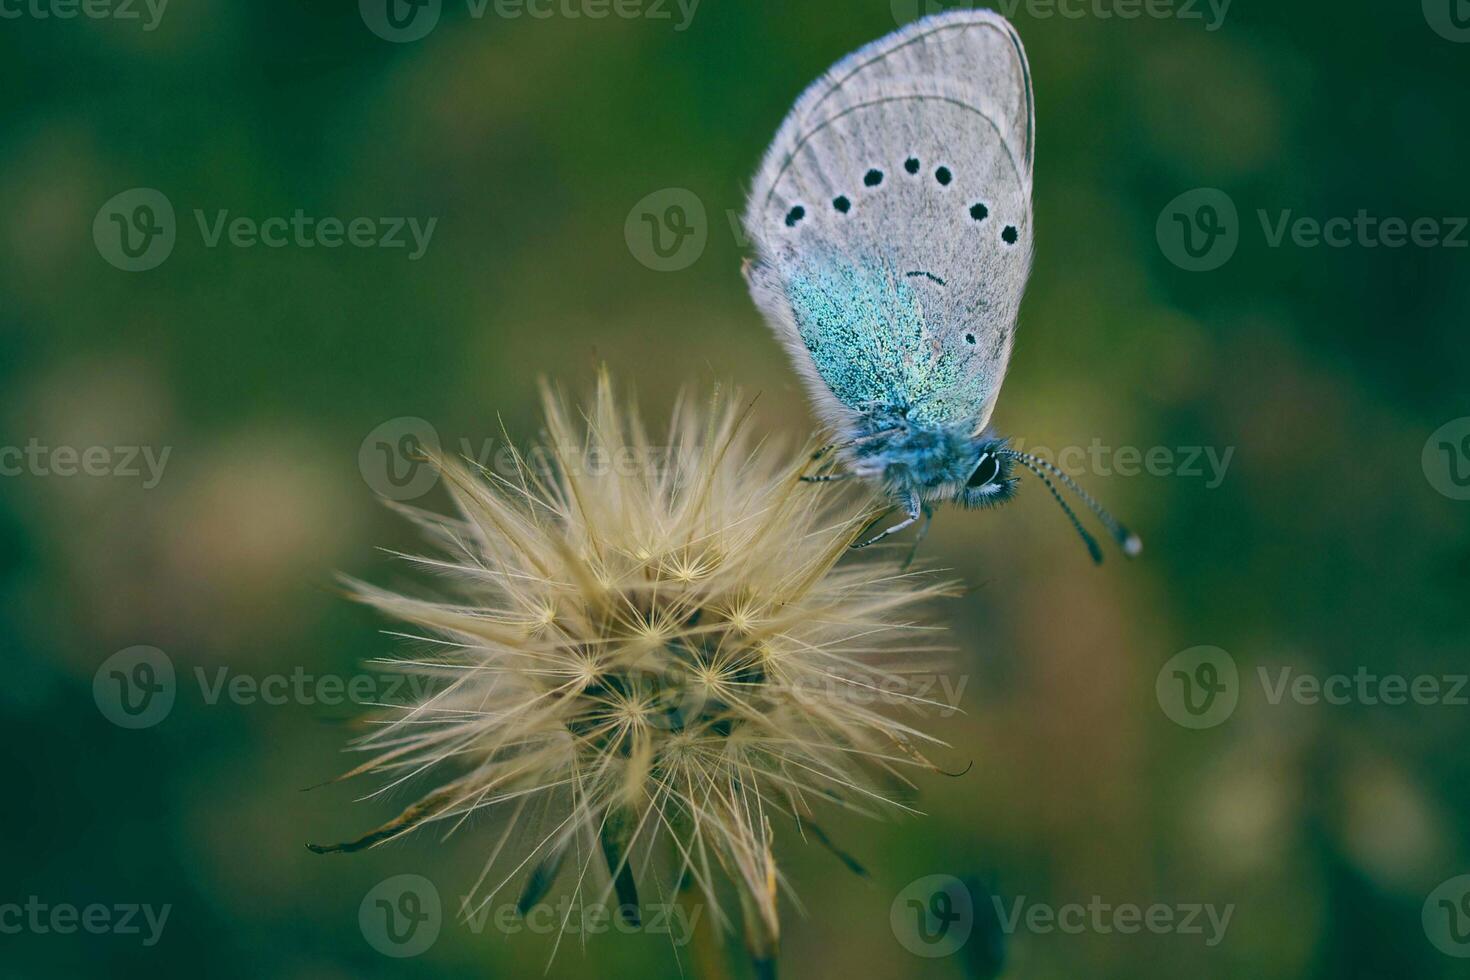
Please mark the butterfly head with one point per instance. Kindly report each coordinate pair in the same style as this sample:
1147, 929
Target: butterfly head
927, 464
990, 481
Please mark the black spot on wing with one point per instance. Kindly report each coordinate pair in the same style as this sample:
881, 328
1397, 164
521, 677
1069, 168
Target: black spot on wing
942, 174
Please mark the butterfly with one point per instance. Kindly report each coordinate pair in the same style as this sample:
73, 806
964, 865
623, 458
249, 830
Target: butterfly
891, 220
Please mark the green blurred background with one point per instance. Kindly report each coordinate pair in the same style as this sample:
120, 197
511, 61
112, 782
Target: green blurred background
1334, 541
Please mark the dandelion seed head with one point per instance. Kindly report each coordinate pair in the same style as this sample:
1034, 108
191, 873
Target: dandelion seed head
659, 649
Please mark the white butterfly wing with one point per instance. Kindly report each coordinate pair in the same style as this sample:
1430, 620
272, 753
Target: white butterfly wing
892, 221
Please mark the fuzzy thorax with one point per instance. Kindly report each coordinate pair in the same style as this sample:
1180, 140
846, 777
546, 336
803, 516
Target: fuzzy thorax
934, 464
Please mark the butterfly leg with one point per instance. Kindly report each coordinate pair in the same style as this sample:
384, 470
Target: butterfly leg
913, 509
855, 442
873, 435
827, 478
919, 536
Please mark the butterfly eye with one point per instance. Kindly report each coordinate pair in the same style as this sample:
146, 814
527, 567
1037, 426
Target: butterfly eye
987, 471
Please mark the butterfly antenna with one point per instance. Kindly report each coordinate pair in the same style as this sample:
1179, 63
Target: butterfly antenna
1129, 542
1087, 539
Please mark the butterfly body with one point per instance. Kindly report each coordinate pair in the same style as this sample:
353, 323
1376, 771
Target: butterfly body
892, 222
931, 465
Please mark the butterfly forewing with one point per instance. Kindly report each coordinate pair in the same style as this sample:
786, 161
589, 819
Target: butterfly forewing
892, 221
